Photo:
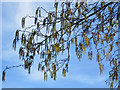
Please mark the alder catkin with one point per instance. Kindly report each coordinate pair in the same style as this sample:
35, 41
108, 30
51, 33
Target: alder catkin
3, 76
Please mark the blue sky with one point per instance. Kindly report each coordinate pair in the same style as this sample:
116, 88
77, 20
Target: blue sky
82, 74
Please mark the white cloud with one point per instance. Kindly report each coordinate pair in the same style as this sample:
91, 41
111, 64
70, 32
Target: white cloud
9, 54
24, 9
87, 79
35, 76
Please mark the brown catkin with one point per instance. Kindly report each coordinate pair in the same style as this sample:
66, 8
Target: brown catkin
3, 76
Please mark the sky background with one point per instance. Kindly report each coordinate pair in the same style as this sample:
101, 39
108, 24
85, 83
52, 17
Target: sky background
82, 74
